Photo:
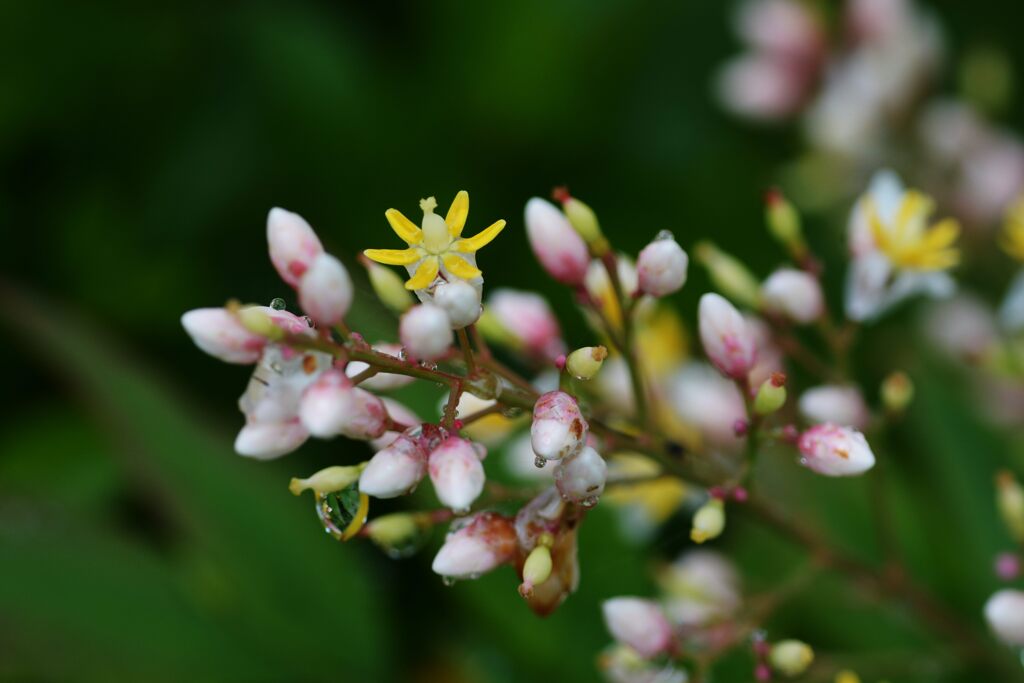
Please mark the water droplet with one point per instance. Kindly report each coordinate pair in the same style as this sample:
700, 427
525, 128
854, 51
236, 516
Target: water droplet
428, 365
803, 461
589, 501
278, 304
539, 461
448, 581
309, 321
512, 412
461, 511
337, 510
665, 235
277, 367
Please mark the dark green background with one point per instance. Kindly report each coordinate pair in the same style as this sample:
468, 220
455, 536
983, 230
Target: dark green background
140, 149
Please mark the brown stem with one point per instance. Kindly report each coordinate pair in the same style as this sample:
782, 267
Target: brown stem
467, 351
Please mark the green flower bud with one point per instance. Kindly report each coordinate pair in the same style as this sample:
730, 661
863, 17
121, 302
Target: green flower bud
784, 222
729, 275
388, 286
708, 521
584, 363
791, 657
772, 394
584, 221
256, 320
897, 392
1010, 500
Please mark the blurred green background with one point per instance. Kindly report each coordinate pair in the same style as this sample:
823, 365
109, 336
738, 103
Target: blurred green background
140, 149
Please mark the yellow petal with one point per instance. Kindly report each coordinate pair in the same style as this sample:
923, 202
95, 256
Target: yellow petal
460, 267
456, 218
479, 240
393, 257
942, 234
404, 227
425, 274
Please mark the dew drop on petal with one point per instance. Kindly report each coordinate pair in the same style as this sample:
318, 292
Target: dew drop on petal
448, 581
338, 509
512, 412
277, 303
539, 461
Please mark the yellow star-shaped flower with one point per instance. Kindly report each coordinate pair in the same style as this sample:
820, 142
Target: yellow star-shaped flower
907, 239
437, 246
1013, 235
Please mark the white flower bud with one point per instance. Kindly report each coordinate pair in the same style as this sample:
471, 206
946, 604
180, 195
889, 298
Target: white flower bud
791, 657
835, 451
1004, 612
426, 332
325, 291
794, 294
382, 381
522, 320
580, 478
558, 428
558, 247
460, 300
456, 473
484, 542
395, 470
708, 401
332, 406
662, 265
836, 403
293, 244
219, 333
727, 339
400, 414
639, 624
267, 440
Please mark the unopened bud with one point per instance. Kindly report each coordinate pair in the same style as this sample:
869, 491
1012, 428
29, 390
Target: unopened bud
784, 222
327, 480
259, 321
293, 244
841, 404
727, 338
794, 294
460, 300
388, 286
537, 569
772, 394
661, 266
393, 531
584, 363
638, 623
456, 473
394, 471
332, 406
267, 440
220, 333
1004, 612
558, 429
1010, 500
580, 478
897, 392
555, 243
835, 451
708, 521
729, 275
325, 291
426, 332
791, 657
583, 220
484, 542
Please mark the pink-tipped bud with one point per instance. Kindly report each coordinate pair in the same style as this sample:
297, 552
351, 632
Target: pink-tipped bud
395, 470
836, 403
638, 623
558, 430
1008, 566
456, 472
460, 300
426, 332
523, 319
484, 542
325, 291
1004, 612
661, 266
332, 406
835, 451
219, 333
293, 244
558, 247
794, 294
267, 440
727, 339
580, 478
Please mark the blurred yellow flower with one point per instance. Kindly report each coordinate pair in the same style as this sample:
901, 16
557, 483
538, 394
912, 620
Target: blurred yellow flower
907, 239
657, 496
437, 245
1013, 236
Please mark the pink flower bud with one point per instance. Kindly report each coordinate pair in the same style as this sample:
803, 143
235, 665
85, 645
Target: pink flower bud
794, 294
639, 624
558, 428
456, 473
332, 406
267, 440
460, 300
836, 403
293, 244
761, 87
395, 470
580, 478
661, 266
218, 332
726, 337
382, 381
426, 332
400, 414
528, 320
780, 27
558, 247
708, 401
835, 451
475, 546
1004, 612
325, 291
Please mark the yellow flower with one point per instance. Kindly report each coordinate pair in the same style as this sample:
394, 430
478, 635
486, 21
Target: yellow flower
908, 241
658, 497
847, 676
1013, 238
438, 245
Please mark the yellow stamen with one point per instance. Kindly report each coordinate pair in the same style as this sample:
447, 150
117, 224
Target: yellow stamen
908, 241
